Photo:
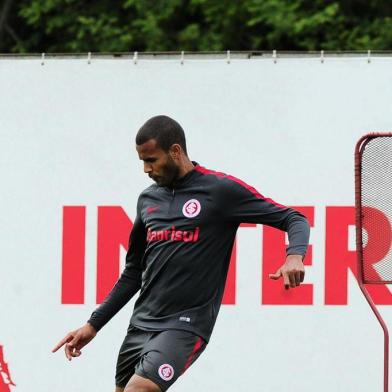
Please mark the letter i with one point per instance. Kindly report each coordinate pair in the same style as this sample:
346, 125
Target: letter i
73, 254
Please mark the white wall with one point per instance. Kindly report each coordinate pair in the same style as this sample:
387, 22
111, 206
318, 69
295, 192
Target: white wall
289, 129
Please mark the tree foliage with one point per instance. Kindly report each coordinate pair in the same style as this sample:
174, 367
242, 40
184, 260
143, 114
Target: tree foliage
194, 25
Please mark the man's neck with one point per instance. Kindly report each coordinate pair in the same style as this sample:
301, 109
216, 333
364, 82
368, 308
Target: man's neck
185, 168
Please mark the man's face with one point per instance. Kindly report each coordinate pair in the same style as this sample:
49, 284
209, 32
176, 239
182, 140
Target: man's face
158, 164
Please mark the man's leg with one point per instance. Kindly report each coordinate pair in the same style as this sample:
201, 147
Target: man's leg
141, 384
129, 356
152, 361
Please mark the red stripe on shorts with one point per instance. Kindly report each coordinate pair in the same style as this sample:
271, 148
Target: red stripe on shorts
196, 348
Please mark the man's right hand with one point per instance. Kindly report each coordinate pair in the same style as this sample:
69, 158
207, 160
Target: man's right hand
76, 340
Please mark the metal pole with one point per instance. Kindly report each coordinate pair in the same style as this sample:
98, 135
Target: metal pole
358, 223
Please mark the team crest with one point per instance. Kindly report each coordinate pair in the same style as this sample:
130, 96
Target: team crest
166, 372
191, 208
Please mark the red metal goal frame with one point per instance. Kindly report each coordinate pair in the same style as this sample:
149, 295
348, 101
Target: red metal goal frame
361, 144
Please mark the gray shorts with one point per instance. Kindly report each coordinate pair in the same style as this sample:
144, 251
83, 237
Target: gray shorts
160, 356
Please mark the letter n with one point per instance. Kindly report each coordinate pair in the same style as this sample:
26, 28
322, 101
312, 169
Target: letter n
114, 227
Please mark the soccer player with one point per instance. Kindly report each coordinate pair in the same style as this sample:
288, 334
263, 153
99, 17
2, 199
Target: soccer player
178, 257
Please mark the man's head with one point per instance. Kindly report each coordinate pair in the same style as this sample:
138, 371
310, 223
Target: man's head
161, 145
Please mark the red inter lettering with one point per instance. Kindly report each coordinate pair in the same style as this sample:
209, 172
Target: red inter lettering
5, 376
379, 240
229, 295
274, 254
73, 254
114, 227
339, 259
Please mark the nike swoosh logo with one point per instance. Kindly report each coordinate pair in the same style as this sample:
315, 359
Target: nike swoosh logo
151, 209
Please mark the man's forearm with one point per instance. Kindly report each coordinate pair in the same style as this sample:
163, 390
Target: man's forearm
125, 288
298, 230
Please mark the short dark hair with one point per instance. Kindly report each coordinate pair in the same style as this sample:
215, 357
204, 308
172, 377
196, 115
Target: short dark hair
164, 130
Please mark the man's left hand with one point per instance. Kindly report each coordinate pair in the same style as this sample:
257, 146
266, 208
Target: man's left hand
292, 271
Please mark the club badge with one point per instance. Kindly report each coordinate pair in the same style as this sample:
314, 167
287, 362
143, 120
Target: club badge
191, 208
166, 372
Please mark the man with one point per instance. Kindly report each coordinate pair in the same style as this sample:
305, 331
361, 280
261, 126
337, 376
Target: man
178, 256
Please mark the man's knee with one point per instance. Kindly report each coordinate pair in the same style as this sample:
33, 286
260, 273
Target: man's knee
132, 388
141, 384
141, 388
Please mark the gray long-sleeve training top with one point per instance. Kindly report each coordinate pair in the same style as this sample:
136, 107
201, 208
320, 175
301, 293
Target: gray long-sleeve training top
180, 246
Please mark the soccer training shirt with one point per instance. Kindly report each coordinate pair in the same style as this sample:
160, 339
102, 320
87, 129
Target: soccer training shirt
180, 248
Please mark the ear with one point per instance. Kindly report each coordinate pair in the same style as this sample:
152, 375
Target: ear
175, 151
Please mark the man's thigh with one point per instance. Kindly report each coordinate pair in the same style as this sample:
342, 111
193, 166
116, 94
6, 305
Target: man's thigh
130, 354
167, 355
164, 356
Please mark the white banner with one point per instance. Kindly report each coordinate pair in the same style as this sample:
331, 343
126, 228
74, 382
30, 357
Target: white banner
70, 178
